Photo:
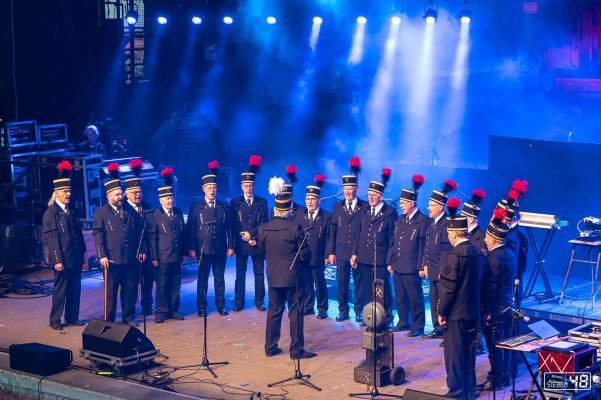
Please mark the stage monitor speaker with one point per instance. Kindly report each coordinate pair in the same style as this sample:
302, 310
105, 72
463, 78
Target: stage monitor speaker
113, 339
39, 359
411, 394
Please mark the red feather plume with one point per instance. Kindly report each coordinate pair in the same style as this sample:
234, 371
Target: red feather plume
64, 169
166, 171
499, 214
136, 166
477, 196
521, 186
319, 180
355, 165
168, 175
254, 163
113, 169
291, 173
513, 196
386, 173
448, 186
418, 181
453, 205
213, 166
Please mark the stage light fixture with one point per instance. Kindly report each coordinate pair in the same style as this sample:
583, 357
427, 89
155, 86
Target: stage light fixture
196, 20
430, 12
228, 20
131, 17
361, 20
317, 20
162, 20
271, 20
465, 12
395, 20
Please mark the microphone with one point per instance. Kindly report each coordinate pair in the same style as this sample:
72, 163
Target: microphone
516, 283
517, 314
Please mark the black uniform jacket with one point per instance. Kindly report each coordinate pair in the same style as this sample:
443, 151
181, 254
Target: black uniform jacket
437, 247
409, 240
247, 219
211, 224
63, 236
279, 241
459, 284
317, 235
476, 236
168, 238
381, 226
115, 238
344, 229
497, 282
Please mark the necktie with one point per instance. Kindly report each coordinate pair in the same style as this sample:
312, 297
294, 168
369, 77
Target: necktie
139, 209
373, 212
311, 213
349, 206
120, 212
212, 204
170, 213
249, 202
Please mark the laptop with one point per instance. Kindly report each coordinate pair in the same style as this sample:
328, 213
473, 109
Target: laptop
543, 329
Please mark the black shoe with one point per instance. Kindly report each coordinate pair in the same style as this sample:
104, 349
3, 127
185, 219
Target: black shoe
488, 385
159, 319
415, 333
433, 335
404, 328
309, 312
177, 316
322, 315
342, 317
202, 312
56, 326
261, 307
237, 308
133, 324
76, 322
273, 352
306, 354
222, 311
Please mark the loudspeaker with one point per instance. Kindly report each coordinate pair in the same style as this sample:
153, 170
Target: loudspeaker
113, 339
411, 394
39, 359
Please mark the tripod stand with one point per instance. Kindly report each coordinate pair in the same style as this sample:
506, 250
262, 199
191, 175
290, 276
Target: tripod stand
205, 361
374, 392
298, 374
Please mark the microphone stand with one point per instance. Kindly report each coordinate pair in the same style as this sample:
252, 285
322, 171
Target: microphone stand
374, 393
205, 361
514, 324
141, 275
298, 374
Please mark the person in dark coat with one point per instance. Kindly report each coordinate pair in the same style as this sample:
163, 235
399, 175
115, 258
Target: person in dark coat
437, 248
458, 305
140, 209
91, 145
210, 241
248, 212
374, 240
316, 224
344, 229
497, 292
405, 259
66, 249
117, 232
282, 244
168, 247
297, 211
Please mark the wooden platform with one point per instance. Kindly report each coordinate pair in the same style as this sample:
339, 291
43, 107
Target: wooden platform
239, 338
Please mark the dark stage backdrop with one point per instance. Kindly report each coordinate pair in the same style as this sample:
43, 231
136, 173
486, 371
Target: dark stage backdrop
563, 180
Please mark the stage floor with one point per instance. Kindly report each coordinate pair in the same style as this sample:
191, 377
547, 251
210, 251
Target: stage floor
239, 338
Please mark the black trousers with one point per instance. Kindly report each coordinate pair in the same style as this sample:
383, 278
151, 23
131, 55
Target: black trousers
146, 282
217, 263
409, 296
169, 280
343, 276
460, 358
278, 298
434, 304
367, 278
66, 294
501, 357
317, 285
240, 286
122, 279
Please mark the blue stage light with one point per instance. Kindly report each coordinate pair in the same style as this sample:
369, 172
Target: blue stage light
131, 17
271, 20
430, 12
228, 20
396, 20
162, 19
317, 20
196, 20
465, 13
361, 20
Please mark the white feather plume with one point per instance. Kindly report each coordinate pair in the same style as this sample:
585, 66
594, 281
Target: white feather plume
276, 186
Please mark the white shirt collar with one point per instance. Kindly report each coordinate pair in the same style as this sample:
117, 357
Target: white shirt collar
314, 212
438, 218
472, 228
496, 247
133, 205
412, 214
251, 198
378, 207
114, 207
61, 205
166, 211
461, 241
353, 203
209, 201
